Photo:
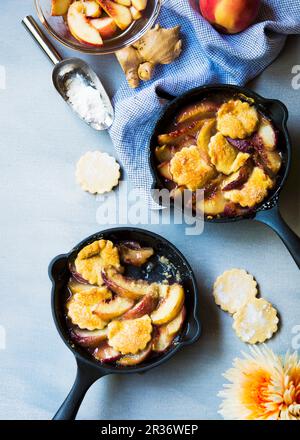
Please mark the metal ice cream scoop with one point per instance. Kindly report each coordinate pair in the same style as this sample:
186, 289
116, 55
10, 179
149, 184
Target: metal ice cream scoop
73, 75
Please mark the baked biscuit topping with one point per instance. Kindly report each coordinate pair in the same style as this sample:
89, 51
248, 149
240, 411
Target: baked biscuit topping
93, 258
237, 119
254, 190
131, 335
188, 168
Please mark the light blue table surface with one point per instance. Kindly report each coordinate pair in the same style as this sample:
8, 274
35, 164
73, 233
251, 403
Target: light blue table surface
44, 213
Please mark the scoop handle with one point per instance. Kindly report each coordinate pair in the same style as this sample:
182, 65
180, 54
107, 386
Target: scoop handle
33, 28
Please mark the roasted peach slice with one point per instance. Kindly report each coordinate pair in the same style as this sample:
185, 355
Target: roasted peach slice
162, 340
76, 287
106, 354
143, 307
80, 27
133, 253
130, 360
121, 14
174, 326
166, 333
266, 133
124, 286
87, 338
204, 136
170, 306
165, 153
108, 310
139, 5
60, 7
177, 136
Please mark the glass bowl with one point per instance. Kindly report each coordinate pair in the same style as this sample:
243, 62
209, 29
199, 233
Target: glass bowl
58, 29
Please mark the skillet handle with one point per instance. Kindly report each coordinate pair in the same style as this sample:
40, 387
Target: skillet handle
291, 240
84, 379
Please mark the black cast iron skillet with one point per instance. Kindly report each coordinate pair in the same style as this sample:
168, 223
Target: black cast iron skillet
88, 369
268, 211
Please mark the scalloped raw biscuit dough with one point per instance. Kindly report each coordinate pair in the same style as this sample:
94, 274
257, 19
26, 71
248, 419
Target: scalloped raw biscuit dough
97, 172
233, 289
130, 335
256, 322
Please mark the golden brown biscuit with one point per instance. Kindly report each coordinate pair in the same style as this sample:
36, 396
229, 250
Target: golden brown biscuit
130, 335
189, 169
237, 119
93, 258
226, 158
256, 321
254, 190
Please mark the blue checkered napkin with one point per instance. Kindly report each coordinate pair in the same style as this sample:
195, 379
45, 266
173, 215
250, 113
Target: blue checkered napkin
207, 57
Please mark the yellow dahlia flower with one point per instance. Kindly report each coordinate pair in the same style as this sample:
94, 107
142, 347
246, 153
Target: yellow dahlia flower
262, 386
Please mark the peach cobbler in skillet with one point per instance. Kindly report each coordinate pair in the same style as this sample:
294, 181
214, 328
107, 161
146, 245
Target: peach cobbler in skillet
224, 146
120, 319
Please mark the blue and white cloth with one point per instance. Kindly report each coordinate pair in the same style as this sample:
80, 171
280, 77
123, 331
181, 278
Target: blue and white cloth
207, 57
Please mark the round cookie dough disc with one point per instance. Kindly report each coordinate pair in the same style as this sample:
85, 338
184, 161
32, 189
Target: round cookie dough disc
256, 321
233, 289
97, 172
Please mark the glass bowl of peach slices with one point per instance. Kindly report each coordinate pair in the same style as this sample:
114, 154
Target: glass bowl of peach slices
97, 26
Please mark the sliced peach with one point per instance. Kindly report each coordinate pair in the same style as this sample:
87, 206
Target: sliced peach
121, 14
170, 306
204, 136
124, 2
174, 326
179, 135
267, 134
77, 287
165, 153
202, 110
143, 307
124, 286
139, 5
105, 353
130, 360
92, 9
60, 7
135, 13
80, 27
105, 25
87, 338
164, 170
108, 310
133, 253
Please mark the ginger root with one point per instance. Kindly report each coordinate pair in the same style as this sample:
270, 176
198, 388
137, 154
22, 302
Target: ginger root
157, 46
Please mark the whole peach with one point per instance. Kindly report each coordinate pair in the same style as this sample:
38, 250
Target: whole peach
230, 16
